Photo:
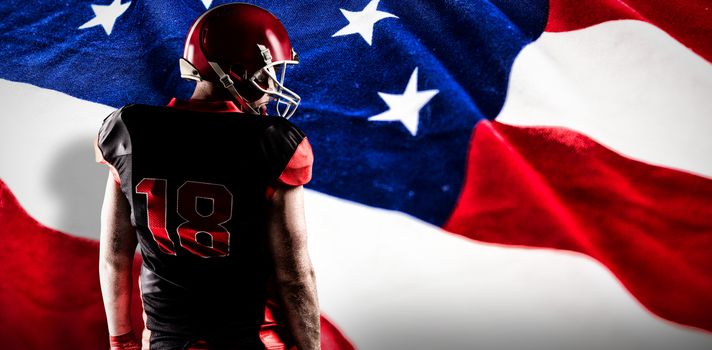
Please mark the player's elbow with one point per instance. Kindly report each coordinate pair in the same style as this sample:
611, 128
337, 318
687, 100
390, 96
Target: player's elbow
112, 265
115, 261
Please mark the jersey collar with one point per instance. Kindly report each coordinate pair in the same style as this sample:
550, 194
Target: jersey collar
204, 106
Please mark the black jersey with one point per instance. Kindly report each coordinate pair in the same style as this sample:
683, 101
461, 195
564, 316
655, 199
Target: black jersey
199, 186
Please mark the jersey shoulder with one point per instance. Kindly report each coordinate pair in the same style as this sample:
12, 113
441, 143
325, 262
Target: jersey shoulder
280, 134
294, 153
113, 139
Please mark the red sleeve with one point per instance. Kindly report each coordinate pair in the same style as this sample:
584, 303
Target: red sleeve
299, 169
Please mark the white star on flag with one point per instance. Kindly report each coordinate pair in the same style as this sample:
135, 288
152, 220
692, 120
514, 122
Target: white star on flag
207, 3
406, 107
106, 15
362, 22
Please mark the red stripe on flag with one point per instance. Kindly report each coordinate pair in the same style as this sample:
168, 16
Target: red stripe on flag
688, 21
555, 188
332, 338
50, 296
49, 290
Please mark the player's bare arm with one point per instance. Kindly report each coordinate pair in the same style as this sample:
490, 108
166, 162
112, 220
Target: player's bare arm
293, 268
116, 253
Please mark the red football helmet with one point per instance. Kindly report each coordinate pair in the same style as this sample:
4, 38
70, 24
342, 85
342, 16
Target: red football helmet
245, 49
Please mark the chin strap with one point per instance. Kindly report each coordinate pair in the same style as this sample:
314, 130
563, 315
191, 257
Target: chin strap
230, 86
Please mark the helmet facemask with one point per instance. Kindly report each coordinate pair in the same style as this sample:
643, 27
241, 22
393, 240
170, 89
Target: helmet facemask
270, 81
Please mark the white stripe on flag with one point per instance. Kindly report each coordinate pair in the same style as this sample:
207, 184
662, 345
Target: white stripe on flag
47, 159
626, 84
392, 282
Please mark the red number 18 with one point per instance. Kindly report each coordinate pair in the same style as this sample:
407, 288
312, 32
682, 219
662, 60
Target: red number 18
217, 242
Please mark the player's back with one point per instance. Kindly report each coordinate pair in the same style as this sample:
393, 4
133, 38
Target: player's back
199, 186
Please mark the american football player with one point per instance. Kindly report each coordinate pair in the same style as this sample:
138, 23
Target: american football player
211, 190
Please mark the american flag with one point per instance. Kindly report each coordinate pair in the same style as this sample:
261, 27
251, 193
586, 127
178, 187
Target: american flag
490, 174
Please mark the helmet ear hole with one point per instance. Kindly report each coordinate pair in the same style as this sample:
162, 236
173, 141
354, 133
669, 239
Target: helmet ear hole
246, 89
238, 71
242, 83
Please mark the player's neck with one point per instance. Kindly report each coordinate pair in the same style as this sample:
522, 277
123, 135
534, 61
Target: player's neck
207, 91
